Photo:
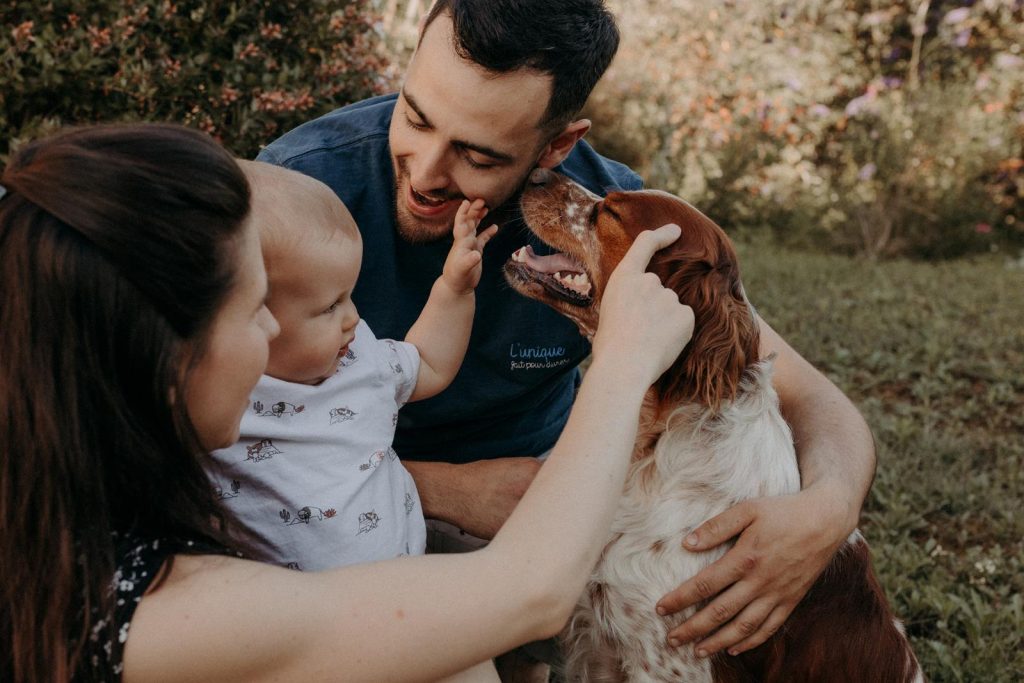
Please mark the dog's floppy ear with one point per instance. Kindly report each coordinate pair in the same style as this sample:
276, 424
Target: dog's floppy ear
702, 269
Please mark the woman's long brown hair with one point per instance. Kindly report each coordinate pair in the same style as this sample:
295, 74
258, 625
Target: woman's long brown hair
117, 247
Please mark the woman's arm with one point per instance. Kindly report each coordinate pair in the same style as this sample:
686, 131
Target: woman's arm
423, 618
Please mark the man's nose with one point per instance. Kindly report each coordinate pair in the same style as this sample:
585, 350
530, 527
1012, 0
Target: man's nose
428, 169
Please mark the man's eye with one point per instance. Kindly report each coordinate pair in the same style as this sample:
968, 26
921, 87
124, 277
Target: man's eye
415, 125
476, 164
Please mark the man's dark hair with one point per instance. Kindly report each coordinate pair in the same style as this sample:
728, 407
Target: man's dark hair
572, 40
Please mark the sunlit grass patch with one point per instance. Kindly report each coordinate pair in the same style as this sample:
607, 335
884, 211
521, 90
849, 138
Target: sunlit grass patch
933, 354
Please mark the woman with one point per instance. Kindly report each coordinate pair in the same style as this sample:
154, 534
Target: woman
134, 328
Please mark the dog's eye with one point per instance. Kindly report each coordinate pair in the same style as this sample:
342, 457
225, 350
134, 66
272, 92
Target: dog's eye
594, 211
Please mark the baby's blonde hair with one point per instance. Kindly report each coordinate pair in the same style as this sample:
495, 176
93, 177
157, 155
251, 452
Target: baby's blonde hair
293, 207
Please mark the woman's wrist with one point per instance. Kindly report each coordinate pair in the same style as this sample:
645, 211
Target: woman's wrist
621, 374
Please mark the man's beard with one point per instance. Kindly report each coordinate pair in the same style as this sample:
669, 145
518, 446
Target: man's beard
420, 230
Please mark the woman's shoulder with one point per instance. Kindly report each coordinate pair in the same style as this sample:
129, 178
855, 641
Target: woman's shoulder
140, 561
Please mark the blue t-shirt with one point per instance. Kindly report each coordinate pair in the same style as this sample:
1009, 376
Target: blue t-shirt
514, 390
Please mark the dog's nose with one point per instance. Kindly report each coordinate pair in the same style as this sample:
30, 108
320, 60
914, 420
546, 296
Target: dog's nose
540, 176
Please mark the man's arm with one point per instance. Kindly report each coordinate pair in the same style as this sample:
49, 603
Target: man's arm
478, 496
785, 542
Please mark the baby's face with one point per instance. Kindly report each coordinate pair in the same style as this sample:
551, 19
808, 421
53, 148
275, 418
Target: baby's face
311, 297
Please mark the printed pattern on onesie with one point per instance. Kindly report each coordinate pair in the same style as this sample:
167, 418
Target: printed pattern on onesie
314, 481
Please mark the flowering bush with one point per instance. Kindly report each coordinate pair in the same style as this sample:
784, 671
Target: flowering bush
867, 125
242, 71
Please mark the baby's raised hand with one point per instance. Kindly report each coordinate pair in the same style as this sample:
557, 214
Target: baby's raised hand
463, 266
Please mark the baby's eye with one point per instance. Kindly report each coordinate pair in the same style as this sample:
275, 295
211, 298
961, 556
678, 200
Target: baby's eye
333, 307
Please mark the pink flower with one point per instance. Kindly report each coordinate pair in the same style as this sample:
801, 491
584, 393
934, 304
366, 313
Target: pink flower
22, 34
271, 31
99, 38
249, 51
983, 228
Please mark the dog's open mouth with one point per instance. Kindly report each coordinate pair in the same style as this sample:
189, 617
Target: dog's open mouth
560, 275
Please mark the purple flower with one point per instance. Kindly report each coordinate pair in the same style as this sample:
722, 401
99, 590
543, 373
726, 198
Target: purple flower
867, 171
956, 16
858, 104
820, 111
1008, 61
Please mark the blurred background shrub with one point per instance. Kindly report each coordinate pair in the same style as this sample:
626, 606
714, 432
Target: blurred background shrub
879, 127
876, 127
244, 72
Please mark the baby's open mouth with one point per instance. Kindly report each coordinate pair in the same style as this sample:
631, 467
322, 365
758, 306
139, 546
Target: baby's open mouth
559, 275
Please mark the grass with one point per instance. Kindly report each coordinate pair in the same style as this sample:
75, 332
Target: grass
933, 355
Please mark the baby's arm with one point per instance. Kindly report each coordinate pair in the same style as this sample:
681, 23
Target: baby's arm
441, 333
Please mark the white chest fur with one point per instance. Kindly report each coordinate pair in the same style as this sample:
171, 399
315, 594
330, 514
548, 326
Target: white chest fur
700, 466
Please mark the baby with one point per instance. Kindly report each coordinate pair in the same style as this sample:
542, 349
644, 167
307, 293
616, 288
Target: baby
313, 482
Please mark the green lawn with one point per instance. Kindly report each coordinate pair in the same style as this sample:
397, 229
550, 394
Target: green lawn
933, 354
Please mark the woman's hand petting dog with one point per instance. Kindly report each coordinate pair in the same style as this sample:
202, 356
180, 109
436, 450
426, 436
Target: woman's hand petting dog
637, 311
784, 544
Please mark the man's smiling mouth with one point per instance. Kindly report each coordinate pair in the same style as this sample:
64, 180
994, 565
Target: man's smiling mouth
425, 205
425, 200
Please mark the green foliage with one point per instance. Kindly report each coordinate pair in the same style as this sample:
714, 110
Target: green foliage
932, 354
244, 72
873, 126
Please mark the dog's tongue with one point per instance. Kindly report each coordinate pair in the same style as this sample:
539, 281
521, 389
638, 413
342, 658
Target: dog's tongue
545, 264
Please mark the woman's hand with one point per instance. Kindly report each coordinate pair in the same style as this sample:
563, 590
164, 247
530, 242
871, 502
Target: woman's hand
642, 324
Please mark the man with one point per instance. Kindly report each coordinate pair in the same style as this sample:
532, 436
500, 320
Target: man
492, 92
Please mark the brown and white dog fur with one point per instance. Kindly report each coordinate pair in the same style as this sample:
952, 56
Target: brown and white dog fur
711, 435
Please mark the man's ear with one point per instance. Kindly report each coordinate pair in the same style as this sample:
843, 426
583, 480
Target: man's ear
558, 149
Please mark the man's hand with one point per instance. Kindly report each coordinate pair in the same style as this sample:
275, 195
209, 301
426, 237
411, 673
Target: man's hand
784, 544
463, 267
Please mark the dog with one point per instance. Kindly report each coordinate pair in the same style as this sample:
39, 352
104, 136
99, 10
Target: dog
710, 435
